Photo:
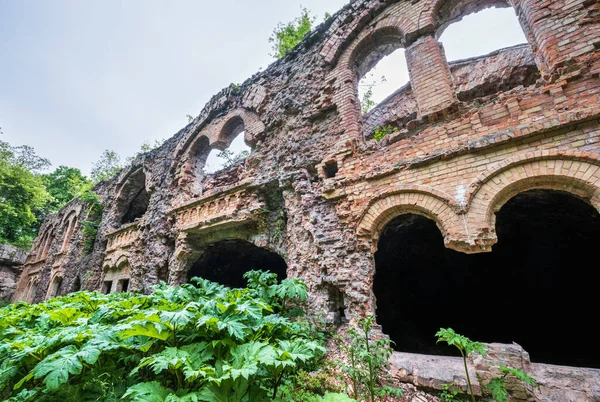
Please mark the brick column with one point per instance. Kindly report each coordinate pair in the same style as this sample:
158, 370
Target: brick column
430, 76
561, 29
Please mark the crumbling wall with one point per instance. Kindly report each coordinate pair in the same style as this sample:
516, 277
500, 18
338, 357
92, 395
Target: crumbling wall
317, 189
11, 263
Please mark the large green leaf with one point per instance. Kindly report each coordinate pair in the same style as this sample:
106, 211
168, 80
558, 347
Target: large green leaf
56, 368
147, 392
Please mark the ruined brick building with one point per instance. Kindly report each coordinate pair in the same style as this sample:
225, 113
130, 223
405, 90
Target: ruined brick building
480, 212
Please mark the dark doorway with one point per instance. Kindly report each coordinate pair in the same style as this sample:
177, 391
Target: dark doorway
536, 288
227, 261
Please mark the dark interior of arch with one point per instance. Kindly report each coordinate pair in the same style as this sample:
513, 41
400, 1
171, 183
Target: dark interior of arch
538, 287
137, 207
227, 261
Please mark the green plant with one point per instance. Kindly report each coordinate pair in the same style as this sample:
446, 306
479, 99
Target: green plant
367, 360
465, 346
92, 221
286, 36
497, 385
367, 103
381, 132
450, 392
195, 342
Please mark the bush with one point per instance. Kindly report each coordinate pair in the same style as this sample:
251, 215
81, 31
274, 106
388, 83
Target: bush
195, 342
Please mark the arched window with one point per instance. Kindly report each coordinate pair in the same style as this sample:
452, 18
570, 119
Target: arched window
32, 286
45, 243
230, 148
485, 45
388, 77
133, 198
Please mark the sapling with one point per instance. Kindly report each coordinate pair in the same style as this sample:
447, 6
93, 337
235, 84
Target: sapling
465, 346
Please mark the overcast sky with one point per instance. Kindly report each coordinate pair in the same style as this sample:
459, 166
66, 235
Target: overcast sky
78, 77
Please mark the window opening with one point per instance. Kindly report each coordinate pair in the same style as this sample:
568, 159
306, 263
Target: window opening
123, 285
330, 169
388, 76
107, 287
481, 33
222, 159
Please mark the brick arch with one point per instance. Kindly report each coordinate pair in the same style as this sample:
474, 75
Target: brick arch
416, 200
433, 11
371, 44
573, 172
217, 134
392, 29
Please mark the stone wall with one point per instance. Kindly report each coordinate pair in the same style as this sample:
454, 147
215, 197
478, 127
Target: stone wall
11, 264
317, 190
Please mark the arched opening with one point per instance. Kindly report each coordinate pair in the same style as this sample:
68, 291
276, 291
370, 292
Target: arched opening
380, 66
227, 261
534, 288
55, 287
387, 76
71, 224
219, 159
133, 198
230, 148
470, 28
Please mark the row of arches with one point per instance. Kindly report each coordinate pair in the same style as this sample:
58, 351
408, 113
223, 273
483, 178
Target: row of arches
379, 50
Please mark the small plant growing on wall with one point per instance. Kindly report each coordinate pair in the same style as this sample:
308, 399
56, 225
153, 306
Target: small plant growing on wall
381, 132
92, 221
497, 386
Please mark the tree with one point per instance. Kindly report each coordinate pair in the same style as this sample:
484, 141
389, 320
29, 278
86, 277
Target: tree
64, 184
22, 194
106, 167
147, 146
286, 36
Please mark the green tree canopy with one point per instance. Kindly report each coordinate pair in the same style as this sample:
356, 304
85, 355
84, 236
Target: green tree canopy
22, 194
106, 167
286, 36
64, 184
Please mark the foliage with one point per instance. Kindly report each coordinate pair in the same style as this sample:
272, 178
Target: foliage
497, 386
147, 146
64, 184
451, 392
231, 158
106, 167
367, 103
466, 346
367, 362
23, 195
92, 221
286, 36
195, 342
381, 132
